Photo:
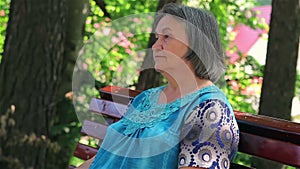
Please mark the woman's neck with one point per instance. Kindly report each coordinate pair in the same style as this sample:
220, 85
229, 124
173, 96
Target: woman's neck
179, 86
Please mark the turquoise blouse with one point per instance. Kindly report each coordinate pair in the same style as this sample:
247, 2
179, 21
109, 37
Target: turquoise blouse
198, 129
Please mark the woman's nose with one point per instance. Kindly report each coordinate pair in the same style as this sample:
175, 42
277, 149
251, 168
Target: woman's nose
157, 44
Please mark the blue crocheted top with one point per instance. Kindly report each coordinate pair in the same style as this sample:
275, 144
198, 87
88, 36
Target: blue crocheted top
198, 129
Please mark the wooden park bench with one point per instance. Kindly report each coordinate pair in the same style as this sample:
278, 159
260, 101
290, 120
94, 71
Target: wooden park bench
265, 137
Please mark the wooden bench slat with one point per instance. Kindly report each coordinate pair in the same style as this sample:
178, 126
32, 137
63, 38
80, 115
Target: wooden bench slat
94, 129
269, 127
118, 94
115, 110
284, 152
84, 152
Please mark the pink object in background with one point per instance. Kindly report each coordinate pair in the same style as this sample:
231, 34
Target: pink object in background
246, 37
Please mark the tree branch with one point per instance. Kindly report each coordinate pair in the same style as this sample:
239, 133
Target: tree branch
102, 6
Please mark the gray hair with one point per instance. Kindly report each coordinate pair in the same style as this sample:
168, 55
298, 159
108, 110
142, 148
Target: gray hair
206, 53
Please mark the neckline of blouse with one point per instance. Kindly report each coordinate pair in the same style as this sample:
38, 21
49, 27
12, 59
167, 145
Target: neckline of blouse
184, 97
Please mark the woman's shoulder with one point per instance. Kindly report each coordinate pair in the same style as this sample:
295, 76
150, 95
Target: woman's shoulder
212, 93
209, 97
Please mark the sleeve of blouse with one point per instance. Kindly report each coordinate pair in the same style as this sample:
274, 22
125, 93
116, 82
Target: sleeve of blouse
210, 136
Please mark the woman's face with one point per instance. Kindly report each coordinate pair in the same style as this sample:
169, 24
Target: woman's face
171, 44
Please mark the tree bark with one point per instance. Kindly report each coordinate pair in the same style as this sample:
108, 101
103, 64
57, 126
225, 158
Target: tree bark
148, 76
280, 71
75, 28
77, 12
30, 74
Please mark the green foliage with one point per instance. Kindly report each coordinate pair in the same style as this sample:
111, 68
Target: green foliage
242, 159
4, 10
115, 46
244, 79
65, 132
296, 118
290, 167
121, 8
264, 2
230, 13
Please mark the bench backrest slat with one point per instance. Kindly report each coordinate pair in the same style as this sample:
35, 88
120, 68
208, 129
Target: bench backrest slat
276, 150
118, 94
93, 129
269, 127
84, 152
106, 107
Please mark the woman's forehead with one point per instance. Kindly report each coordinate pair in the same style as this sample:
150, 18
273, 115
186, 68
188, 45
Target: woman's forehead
169, 23
173, 26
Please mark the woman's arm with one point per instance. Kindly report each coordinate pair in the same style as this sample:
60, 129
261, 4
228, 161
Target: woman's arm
86, 164
210, 136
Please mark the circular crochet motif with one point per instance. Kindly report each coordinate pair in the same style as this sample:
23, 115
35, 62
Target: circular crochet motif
207, 154
182, 159
224, 161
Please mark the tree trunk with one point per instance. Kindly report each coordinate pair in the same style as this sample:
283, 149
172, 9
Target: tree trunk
30, 73
75, 28
149, 77
75, 22
280, 71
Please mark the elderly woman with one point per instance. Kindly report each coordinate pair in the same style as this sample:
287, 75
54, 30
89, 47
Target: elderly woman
187, 123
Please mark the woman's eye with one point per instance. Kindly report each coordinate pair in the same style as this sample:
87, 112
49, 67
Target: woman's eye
157, 36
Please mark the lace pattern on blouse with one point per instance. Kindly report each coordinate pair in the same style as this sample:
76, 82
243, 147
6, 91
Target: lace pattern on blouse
148, 112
